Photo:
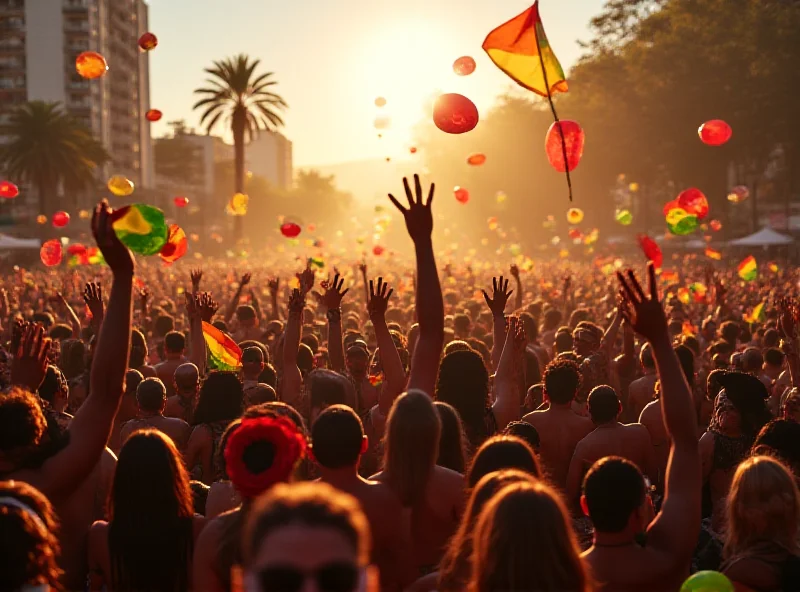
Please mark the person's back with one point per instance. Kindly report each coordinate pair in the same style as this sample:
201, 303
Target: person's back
641, 392
187, 383
174, 346
651, 418
560, 429
151, 398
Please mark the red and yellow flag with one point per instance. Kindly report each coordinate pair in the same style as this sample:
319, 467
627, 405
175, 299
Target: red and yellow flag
520, 48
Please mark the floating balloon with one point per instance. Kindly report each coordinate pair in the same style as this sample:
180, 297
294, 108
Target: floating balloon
476, 159
501, 197
382, 122
464, 66
76, 249
633, 187
413, 150
8, 190
378, 250
60, 219
574, 215
181, 201
120, 186
238, 204
671, 205
455, 114
624, 217
738, 194
574, 233
651, 250
682, 225
694, 202
84, 214
715, 132
51, 252
515, 250
141, 227
493, 223
380, 102
91, 65
462, 195
715, 225
291, 229
176, 245
707, 581
148, 41
574, 139
153, 115
41, 219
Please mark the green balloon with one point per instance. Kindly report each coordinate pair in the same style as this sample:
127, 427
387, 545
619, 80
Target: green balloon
685, 225
624, 217
707, 581
142, 228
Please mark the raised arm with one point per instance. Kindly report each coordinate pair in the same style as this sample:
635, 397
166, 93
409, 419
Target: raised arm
507, 395
429, 302
234, 303
90, 429
332, 300
274, 286
200, 308
517, 280
674, 531
497, 305
292, 379
93, 297
393, 372
73, 319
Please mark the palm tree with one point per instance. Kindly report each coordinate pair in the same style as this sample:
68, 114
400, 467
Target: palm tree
48, 148
244, 99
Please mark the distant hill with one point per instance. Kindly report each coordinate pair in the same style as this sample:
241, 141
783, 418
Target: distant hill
369, 179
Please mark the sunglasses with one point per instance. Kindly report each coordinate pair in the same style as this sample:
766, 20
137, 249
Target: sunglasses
333, 577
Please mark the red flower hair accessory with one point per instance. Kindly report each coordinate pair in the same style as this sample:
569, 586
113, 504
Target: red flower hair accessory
261, 452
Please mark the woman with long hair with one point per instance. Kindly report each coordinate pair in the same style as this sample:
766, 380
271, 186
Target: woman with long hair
761, 549
503, 452
221, 400
148, 541
524, 541
463, 382
433, 494
452, 442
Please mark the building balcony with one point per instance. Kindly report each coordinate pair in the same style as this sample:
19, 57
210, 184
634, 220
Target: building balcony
75, 5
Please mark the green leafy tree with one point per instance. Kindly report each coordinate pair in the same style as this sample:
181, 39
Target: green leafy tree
239, 96
48, 148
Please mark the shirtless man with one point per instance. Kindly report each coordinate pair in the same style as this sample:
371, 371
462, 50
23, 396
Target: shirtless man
128, 408
187, 385
64, 474
609, 438
151, 397
338, 441
174, 348
615, 495
560, 428
642, 390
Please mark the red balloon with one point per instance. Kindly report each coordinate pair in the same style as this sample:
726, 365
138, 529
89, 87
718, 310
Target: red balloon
8, 190
51, 252
715, 132
455, 114
715, 225
462, 195
76, 249
291, 229
575, 233
153, 115
378, 250
574, 139
181, 201
671, 206
148, 41
651, 250
476, 159
464, 66
413, 150
694, 202
60, 219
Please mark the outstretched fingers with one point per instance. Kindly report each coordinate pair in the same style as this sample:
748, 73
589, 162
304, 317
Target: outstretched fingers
409, 195
651, 277
430, 195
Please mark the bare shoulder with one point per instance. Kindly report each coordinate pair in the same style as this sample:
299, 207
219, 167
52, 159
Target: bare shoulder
651, 412
535, 418
448, 477
198, 524
200, 433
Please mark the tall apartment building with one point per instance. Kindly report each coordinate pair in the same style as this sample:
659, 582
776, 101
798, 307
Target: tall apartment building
39, 41
269, 155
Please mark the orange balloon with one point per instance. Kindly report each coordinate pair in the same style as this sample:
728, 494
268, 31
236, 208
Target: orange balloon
462, 195
476, 159
91, 65
153, 115
51, 252
464, 66
148, 41
455, 114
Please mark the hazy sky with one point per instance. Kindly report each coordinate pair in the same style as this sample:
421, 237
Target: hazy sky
331, 59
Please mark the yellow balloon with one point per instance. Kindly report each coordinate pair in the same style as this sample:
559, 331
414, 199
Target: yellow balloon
575, 215
238, 204
634, 187
120, 186
41, 219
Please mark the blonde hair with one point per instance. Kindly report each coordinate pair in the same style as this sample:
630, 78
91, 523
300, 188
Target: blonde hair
763, 507
524, 541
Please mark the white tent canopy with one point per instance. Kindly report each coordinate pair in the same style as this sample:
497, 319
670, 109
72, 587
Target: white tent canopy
9, 242
766, 237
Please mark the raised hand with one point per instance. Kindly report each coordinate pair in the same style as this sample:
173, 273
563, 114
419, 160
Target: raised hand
206, 306
332, 299
273, 285
644, 313
93, 297
245, 279
117, 255
297, 302
362, 267
501, 294
378, 299
306, 279
418, 216
514, 271
196, 275
30, 358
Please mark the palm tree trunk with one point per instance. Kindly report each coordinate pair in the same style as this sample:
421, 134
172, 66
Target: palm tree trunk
237, 125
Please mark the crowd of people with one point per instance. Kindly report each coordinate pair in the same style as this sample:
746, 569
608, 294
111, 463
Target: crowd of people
562, 431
